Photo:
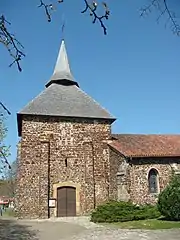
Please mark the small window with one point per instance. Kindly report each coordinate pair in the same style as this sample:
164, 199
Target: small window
153, 181
66, 163
118, 179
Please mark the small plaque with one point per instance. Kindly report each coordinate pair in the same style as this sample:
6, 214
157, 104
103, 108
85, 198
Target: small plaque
52, 203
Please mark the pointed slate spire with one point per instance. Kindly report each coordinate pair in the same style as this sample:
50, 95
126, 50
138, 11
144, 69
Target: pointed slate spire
62, 73
62, 63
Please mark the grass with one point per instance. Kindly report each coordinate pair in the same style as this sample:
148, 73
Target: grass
152, 224
8, 213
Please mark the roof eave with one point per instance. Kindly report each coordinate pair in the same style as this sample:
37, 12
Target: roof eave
133, 156
153, 156
113, 120
19, 123
65, 82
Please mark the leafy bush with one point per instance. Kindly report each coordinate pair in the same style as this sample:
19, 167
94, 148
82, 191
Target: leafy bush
169, 200
147, 212
122, 212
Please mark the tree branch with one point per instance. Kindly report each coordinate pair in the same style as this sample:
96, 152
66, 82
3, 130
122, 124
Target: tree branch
4, 150
4, 157
93, 12
163, 8
172, 18
49, 8
11, 43
5, 108
15, 48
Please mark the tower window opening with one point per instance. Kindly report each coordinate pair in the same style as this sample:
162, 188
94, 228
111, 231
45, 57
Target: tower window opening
66, 162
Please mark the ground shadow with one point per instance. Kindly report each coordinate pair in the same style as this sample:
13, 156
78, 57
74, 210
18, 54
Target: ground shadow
167, 220
12, 230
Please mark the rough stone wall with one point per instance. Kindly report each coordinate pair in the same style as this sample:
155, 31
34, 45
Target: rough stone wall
119, 177
139, 188
129, 178
74, 145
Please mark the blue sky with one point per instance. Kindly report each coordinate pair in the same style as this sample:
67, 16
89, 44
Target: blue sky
133, 71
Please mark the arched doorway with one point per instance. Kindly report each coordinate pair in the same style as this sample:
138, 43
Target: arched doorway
66, 201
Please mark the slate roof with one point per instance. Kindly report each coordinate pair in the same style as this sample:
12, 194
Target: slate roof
69, 101
63, 97
141, 145
62, 73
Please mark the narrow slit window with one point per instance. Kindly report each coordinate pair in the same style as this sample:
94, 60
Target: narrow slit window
66, 162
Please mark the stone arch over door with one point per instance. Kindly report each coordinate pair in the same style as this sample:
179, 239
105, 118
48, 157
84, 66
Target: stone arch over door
66, 194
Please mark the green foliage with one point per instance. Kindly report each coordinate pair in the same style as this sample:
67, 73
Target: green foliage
4, 149
3, 132
10, 177
122, 212
151, 224
3, 129
5, 188
13, 171
169, 200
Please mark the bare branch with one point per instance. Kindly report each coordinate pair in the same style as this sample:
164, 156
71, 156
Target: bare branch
4, 157
145, 10
4, 150
93, 12
5, 108
163, 8
48, 8
172, 18
15, 48
92, 8
11, 43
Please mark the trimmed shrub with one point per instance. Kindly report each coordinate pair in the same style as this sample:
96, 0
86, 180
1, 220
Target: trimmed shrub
122, 212
147, 212
169, 200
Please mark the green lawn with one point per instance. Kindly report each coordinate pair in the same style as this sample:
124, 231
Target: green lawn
8, 213
152, 224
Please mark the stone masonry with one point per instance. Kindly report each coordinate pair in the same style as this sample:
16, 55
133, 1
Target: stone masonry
131, 182
119, 177
138, 178
78, 141
132, 156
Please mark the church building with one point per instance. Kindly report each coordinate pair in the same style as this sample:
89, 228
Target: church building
69, 161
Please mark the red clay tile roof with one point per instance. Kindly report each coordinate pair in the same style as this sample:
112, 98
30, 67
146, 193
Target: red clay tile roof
141, 145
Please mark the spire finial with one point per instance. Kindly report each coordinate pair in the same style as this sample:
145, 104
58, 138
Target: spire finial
63, 26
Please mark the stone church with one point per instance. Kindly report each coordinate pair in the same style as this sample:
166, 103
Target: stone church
69, 161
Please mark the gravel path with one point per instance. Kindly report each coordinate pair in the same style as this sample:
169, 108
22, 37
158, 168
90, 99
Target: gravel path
98, 232
75, 229
113, 234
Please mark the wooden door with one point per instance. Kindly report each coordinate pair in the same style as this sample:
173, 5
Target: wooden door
66, 201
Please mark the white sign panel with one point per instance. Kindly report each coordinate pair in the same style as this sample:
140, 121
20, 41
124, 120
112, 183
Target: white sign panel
52, 203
